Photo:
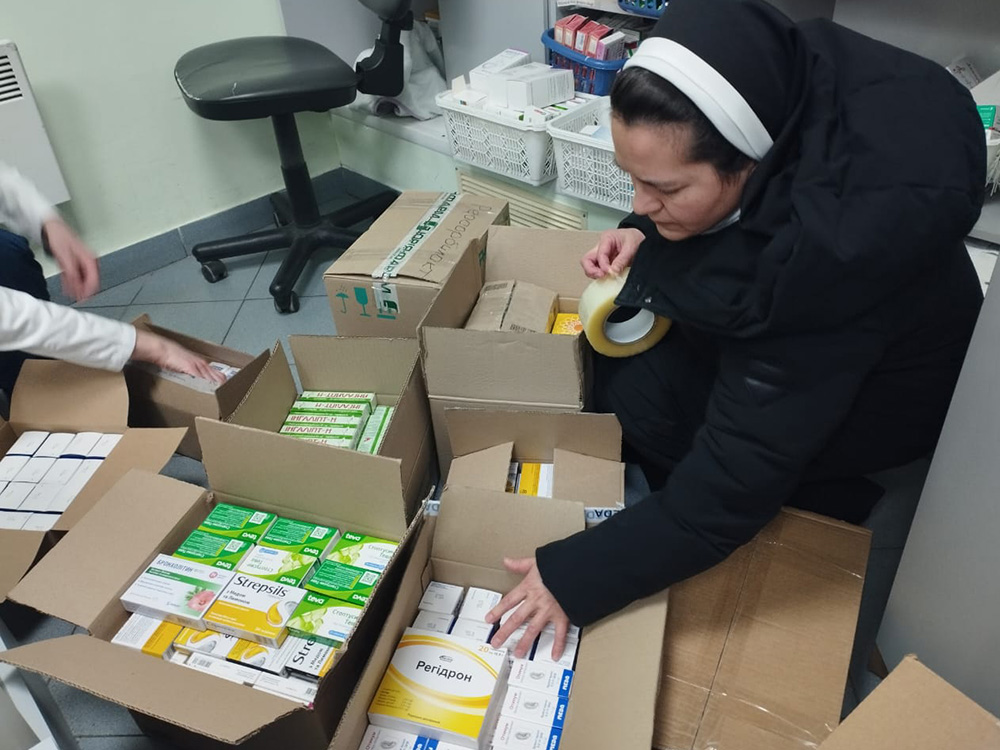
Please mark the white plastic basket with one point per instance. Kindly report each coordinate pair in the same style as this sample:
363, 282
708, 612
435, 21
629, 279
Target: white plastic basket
521, 151
587, 167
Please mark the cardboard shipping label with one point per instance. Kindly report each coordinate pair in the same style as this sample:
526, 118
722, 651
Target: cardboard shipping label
149, 635
238, 523
206, 642
289, 568
324, 618
308, 657
212, 549
255, 609
343, 581
363, 551
176, 590
300, 537
442, 682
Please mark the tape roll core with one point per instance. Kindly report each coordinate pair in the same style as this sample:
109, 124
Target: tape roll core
617, 338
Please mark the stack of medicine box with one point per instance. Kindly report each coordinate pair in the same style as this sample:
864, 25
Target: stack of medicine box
343, 419
228, 601
43, 472
522, 703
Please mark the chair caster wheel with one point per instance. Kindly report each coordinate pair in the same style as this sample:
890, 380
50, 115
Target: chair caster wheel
289, 304
214, 270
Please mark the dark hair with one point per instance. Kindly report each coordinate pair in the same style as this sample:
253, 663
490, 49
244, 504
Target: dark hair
640, 97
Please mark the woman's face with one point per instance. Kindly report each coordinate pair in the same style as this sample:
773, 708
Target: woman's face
682, 198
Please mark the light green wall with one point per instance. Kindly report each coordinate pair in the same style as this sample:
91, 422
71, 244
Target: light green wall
136, 160
407, 166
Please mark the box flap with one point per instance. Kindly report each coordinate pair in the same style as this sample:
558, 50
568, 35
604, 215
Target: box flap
429, 231
18, 550
915, 709
595, 482
535, 434
53, 395
622, 654
153, 687
354, 364
316, 480
519, 524
214, 352
547, 257
98, 559
269, 398
486, 469
145, 449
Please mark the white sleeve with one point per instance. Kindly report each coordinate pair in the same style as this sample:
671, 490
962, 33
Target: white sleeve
52, 330
22, 208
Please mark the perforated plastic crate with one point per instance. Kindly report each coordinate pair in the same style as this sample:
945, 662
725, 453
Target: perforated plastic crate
587, 167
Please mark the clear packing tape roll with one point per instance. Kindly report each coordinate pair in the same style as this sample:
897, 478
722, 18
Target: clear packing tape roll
616, 331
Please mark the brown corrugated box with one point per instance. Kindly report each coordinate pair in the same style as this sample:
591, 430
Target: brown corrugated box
614, 687
60, 397
516, 306
387, 367
757, 648
81, 581
366, 304
584, 450
914, 709
504, 370
156, 402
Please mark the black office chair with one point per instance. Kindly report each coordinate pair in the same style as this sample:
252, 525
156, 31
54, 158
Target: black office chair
276, 76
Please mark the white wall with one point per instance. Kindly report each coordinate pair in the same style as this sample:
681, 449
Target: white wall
136, 160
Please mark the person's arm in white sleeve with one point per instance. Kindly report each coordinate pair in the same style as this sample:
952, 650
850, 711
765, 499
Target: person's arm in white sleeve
22, 207
50, 330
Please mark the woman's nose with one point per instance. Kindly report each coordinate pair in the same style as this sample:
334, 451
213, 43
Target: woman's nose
644, 202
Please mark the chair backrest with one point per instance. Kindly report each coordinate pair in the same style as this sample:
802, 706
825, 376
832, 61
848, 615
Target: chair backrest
387, 10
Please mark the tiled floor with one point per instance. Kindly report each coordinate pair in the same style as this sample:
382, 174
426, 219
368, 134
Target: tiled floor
237, 312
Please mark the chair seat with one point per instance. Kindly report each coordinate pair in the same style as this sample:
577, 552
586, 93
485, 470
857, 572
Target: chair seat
254, 77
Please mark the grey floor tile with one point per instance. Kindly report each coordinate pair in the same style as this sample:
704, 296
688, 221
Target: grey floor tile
182, 282
204, 320
90, 716
141, 258
125, 742
114, 296
29, 626
187, 470
258, 325
107, 312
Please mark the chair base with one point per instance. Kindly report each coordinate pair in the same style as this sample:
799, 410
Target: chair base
302, 241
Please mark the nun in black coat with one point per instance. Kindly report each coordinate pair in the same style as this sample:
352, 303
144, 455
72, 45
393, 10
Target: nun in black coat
801, 197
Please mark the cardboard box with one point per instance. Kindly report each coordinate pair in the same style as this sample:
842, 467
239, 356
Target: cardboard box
400, 470
157, 402
614, 687
584, 449
80, 583
516, 306
59, 397
503, 370
756, 649
915, 709
384, 283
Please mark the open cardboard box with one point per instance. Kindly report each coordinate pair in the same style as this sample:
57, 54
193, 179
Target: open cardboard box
503, 369
387, 367
157, 402
915, 709
427, 244
584, 450
59, 397
143, 515
757, 648
614, 688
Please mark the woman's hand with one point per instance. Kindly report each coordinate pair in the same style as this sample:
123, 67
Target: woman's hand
80, 275
614, 253
534, 605
162, 352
